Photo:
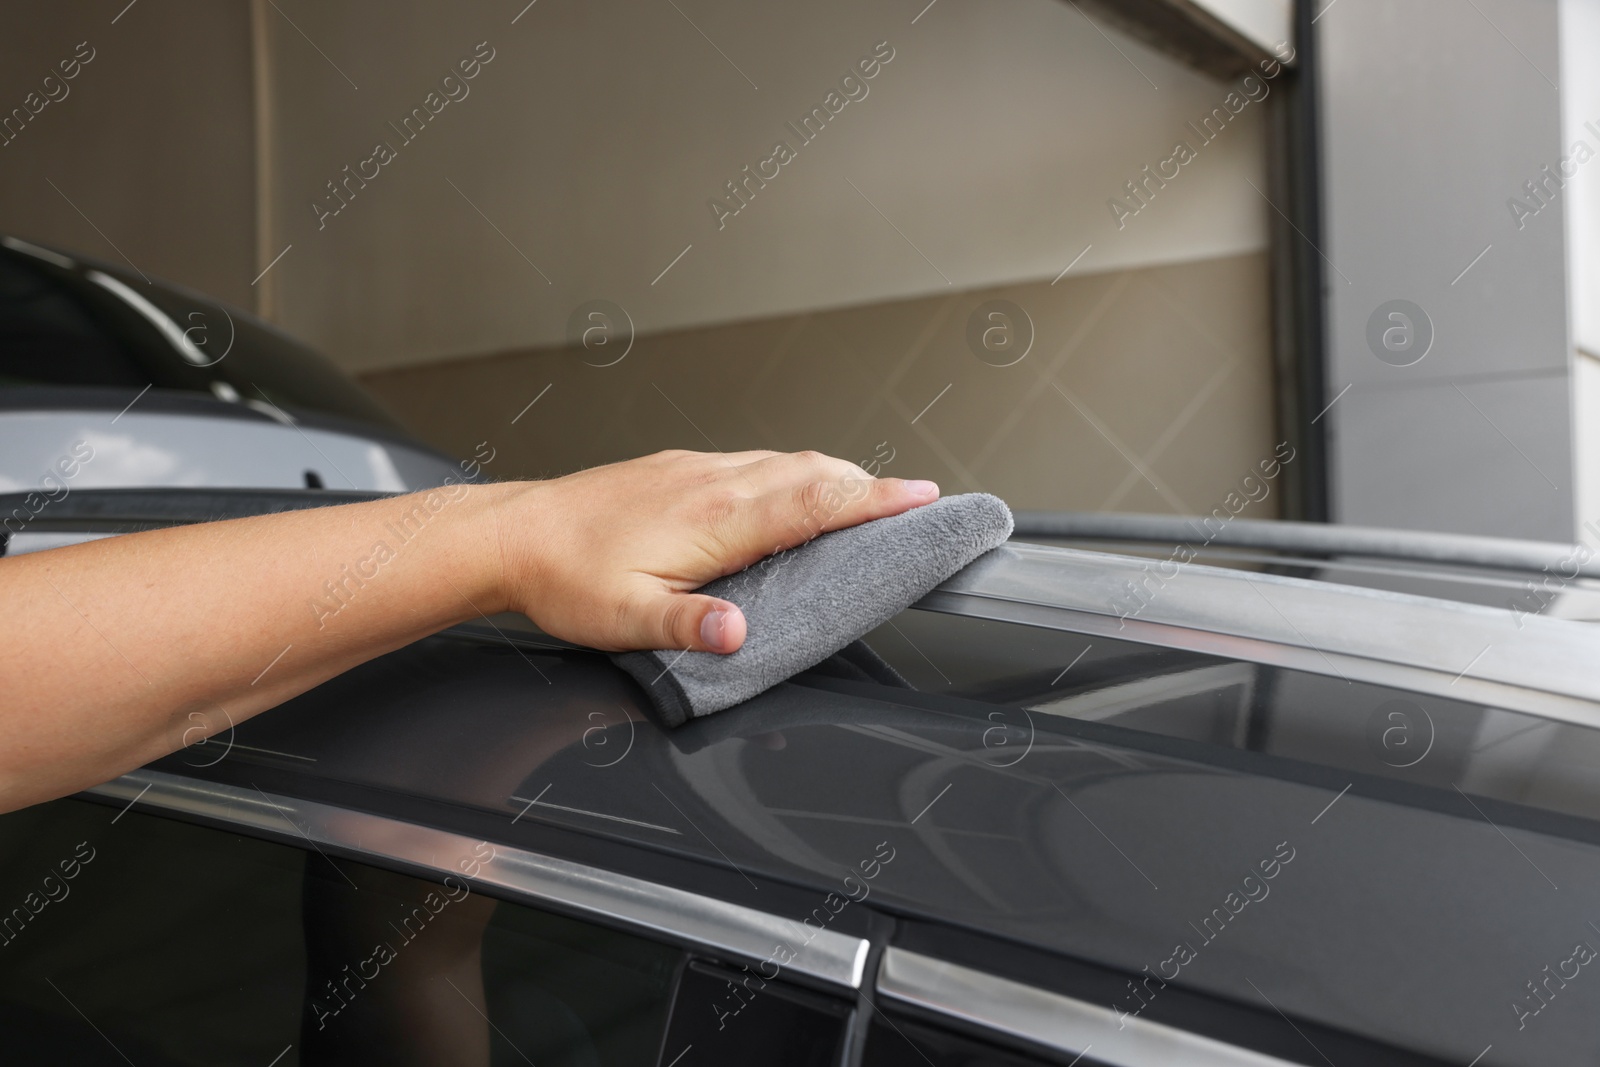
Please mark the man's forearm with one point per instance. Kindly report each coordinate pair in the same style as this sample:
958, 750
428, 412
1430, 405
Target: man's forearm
139, 644
128, 648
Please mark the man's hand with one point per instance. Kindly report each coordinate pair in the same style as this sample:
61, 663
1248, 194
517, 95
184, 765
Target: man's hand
172, 635
606, 557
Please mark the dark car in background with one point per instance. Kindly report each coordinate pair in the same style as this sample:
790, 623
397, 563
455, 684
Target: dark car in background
1258, 802
154, 385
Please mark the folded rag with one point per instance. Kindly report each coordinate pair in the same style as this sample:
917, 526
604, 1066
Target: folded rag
803, 605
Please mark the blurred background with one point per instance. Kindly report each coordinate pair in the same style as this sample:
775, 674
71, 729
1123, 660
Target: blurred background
1120, 255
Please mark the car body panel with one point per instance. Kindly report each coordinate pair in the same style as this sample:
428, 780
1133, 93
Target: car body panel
1252, 797
1398, 909
212, 451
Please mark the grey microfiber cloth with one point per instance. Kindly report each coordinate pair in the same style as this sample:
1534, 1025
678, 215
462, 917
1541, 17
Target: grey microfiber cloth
804, 605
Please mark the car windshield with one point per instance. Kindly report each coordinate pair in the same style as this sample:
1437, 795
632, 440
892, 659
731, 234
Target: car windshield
67, 324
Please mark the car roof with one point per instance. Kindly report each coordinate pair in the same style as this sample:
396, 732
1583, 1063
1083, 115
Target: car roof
1230, 788
1033, 834
1533, 577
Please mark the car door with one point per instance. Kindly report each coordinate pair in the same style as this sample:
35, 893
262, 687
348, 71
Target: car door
128, 936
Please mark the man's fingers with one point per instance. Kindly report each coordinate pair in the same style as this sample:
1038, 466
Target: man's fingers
738, 459
784, 519
873, 498
668, 620
637, 536
790, 470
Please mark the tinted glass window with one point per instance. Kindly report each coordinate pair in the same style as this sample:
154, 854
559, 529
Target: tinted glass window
259, 362
48, 338
62, 326
126, 937
729, 1018
895, 1041
1034, 674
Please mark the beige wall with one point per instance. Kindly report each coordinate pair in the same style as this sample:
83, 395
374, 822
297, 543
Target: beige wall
988, 148
1171, 362
595, 138
828, 313
153, 140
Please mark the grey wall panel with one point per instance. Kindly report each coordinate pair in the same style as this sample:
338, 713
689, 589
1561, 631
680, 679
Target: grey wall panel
1436, 112
1460, 456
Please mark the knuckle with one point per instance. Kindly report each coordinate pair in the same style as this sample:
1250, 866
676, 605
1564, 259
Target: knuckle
808, 497
675, 624
817, 505
718, 506
720, 513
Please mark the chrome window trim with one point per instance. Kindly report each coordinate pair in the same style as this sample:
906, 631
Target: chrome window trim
732, 930
1316, 538
1540, 666
1049, 1019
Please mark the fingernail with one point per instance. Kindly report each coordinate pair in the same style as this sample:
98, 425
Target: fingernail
712, 628
921, 488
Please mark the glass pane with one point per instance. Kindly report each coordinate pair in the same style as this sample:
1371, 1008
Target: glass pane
257, 360
1033, 675
57, 328
725, 1018
131, 937
48, 338
895, 1041
146, 939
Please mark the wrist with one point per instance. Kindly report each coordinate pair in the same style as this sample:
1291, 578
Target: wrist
505, 539
469, 559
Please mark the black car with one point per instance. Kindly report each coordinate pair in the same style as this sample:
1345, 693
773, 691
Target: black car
1134, 808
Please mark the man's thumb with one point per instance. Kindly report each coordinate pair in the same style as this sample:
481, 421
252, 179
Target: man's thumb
692, 621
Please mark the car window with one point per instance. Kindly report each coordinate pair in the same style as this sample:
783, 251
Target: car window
47, 337
61, 325
735, 1018
258, 361
128, 937
896, 1041
1035, 676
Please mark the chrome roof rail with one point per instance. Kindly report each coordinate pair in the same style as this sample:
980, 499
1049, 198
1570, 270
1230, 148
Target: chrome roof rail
1057, 1022
824, 956
1541, 666
1316, 538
